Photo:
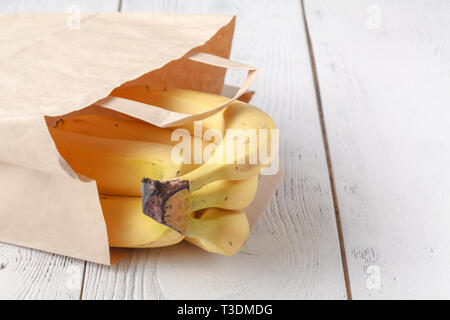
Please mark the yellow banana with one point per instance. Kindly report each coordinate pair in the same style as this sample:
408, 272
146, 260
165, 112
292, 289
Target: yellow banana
128, 227
178, 100
224, 194
218, 230
118, 153
105, 126
239, 117
214, 230
230, 195
247, 122
117, 165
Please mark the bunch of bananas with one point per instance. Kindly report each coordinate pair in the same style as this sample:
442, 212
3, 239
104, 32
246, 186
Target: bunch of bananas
149, 200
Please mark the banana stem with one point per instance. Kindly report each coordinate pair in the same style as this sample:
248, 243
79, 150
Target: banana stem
160, 198
167, 202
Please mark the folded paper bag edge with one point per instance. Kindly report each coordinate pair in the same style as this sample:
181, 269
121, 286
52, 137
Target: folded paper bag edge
164, 118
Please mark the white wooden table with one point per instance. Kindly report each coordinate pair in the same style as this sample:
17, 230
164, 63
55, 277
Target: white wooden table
360, 90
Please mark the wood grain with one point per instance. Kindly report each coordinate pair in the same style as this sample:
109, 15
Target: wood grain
32, 274
293, 252
383, 70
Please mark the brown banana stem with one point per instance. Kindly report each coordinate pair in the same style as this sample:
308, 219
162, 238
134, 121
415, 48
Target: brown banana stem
160, 201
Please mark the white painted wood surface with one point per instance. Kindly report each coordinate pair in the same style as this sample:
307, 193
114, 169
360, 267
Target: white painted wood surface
384, 88
32, 274
384, 76
293, 252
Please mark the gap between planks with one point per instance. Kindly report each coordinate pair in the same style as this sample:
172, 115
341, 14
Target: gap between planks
327, 153
82, 281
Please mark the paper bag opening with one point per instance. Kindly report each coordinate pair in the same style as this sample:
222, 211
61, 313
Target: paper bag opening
72, 69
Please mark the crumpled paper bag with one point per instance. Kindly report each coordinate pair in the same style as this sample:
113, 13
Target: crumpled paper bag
48, 68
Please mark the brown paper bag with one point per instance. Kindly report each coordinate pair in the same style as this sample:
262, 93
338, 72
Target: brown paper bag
49, 69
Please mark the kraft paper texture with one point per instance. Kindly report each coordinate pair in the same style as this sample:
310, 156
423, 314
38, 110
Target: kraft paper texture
49, 68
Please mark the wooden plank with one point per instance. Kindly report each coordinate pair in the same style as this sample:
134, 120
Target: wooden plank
293, 252
32, 274
383, 70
